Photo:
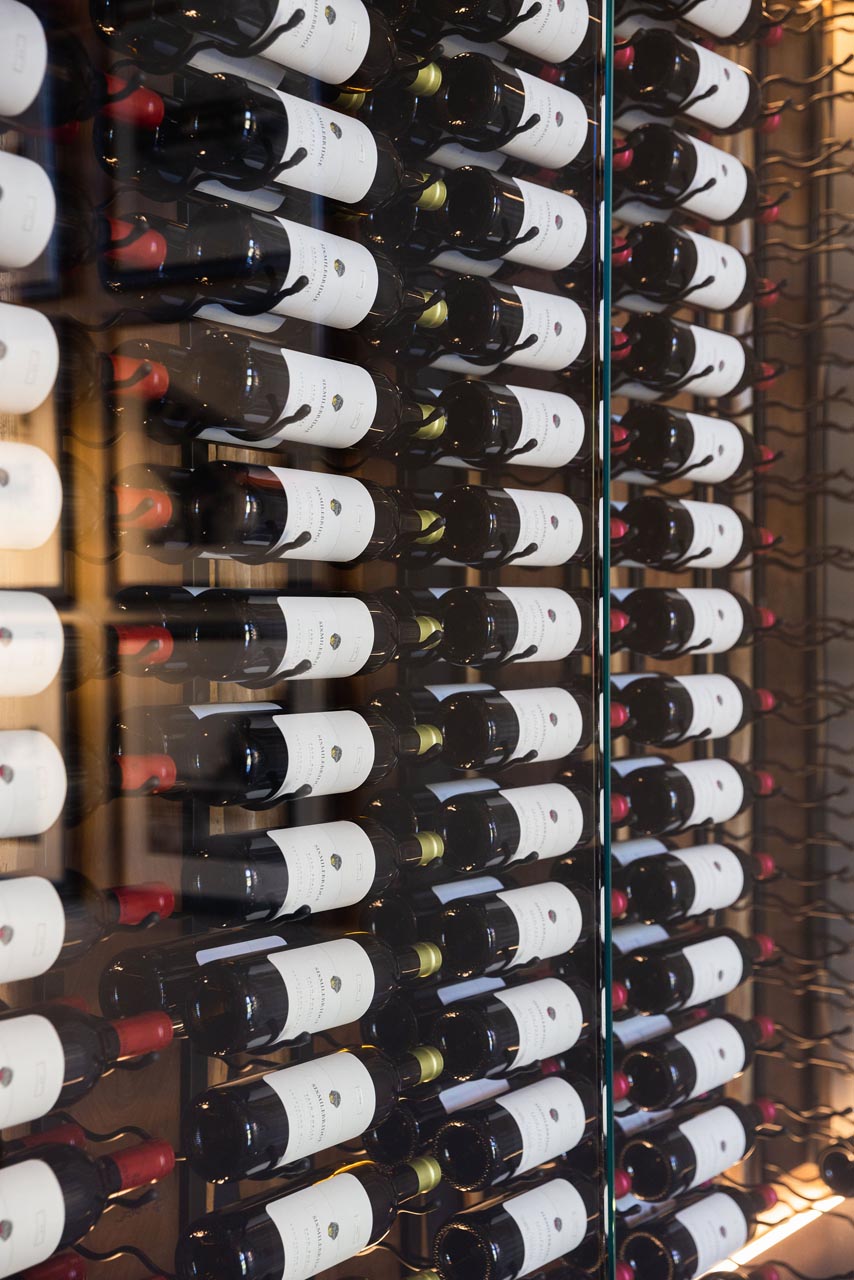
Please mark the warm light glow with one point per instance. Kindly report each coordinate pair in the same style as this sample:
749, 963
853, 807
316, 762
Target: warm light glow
797, 1222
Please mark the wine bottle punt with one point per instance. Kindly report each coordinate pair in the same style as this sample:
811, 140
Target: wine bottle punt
304, 1232
663, 622
254, 1128
666, 710
253, 1002
662, 444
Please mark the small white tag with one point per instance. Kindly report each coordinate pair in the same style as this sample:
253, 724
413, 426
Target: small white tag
625, 852
472, 888
468, 1094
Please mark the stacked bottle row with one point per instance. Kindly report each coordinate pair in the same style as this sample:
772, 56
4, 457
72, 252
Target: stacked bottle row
680, 1123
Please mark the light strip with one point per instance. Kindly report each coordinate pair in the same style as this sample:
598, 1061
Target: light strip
797, 1222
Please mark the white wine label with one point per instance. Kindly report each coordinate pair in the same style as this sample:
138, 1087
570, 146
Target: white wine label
561, 130
727, 85
718, 1140
466, 888
720, 17
638, 1030
229, 950
552, 1221
718, 531
460, 787
33, 782
560, 327
629, 764
561, 225
329, 751
330, 42
551, 1120
555, 33
625, 852
717, 1051
716, 967
719, 183
443, 691
718, 1228
453, 155
550, 722
337, 511
333, 633
718, 618
30, 360
727, 269
329, 984
470, 1093
326, 1101
30, 496
554, 421
546, 617
718, 364
32, 1213
549, 1017
548, 919
551, 521
631, 937
27, 210
341, 282
551, 820
32, 1069
718, 445
330, 865
717, 705
718, 790
322, 1225
342, 399
341, 154
473, 987
23, 60
717, 875
32, 927
32, 643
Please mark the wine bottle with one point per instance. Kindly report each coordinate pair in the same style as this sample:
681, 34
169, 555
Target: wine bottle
307, 1231
56, 1054
491, 423
733, 22
492, 828
514, 1237
496, 931
482, 625
666, 623
502, 1031
554, 33
406, 707
494, 323
231, 389
666, 710
671, 1159
25, 238
413, 913
676, 533
412, 1124
50, 82
45, 923
665, 798
671, 170
676, 1068
252, 270
662, 444
261, 1000
836, 1166
414, 809
57, 1194
661, 357
32, 495
670, 886
668, 75
683, 1246
35, 781
483, 103
485, 526
680, 975
264, 875
488, 1144
180, 751
232, 510
252, 1128
481, 730
406, 1019
257, 639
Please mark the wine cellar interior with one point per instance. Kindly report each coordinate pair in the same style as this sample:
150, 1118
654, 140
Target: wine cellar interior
425, 639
